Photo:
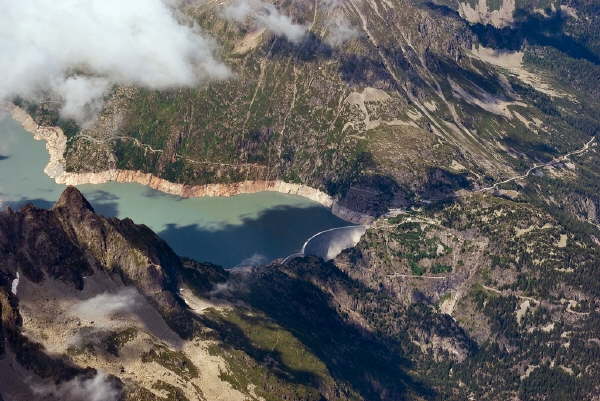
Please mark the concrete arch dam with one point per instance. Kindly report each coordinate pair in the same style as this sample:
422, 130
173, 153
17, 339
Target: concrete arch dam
330, 243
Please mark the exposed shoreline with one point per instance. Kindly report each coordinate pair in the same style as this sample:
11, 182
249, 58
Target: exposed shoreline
56, 144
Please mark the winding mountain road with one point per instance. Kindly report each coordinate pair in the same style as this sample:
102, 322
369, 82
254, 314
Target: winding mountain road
536, 166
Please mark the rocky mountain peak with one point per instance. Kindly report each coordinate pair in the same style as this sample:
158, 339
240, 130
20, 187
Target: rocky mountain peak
72, 199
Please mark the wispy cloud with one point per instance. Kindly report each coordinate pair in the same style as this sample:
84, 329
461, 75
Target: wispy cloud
105, 305
255, 259
265, 15
97, 388
339, 31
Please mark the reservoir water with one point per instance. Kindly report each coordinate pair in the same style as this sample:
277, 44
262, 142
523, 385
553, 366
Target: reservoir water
244, 229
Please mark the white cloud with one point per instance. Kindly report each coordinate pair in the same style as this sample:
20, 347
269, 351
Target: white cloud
265, 15
82, 96
97, 388
256, 259
105, 305
339, 31
238, 11
77, 50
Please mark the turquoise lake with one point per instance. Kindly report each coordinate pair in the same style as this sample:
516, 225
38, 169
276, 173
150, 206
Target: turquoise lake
241, 230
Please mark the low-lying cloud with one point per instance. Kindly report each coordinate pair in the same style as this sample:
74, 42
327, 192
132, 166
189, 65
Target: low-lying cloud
265, 15
97, 388
105, 305
75, 51
256, 259
339, 31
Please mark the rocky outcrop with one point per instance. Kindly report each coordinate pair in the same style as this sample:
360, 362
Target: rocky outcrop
194, 191
71, 242
88, 285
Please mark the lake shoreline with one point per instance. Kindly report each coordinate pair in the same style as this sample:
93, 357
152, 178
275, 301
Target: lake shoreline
56, 143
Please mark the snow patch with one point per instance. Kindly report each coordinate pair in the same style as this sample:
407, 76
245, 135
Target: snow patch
481, 14
15, 285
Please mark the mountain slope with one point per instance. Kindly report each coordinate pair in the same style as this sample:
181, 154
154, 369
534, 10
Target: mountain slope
429, 305
423, 102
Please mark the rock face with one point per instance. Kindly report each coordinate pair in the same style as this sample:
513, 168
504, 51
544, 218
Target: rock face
56, 141
192, 191
85, 287
70, 242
